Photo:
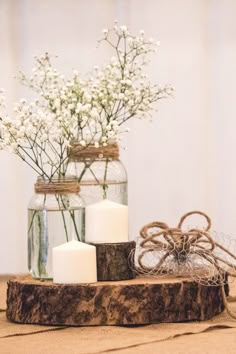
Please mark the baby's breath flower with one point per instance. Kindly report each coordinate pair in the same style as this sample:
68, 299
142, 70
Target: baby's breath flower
123, 29
83, 143
91, 110
105, 31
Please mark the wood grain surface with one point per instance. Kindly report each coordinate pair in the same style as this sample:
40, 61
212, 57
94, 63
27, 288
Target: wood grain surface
127, 302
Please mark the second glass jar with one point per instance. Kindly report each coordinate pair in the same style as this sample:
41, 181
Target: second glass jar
100, 173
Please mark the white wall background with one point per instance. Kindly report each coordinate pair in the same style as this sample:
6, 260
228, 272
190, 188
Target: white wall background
184, 159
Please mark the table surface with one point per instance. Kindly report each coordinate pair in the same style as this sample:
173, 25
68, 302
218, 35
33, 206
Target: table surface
215, 336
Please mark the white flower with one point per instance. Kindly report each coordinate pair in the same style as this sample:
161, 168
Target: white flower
71, 106
131, 102
85, 108
94, 113
78, 107
91, 110
123, 29
87, 97
128, 82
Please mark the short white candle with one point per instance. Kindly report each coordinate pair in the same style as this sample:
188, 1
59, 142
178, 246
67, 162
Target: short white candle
106, 222
74, 262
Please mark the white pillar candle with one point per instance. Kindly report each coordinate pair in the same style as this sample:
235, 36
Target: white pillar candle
74, 262
106, 222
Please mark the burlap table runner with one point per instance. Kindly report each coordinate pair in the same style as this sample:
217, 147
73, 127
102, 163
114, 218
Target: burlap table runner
215, 336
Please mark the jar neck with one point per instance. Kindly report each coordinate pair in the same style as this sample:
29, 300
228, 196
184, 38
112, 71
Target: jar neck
78, 153
57, 186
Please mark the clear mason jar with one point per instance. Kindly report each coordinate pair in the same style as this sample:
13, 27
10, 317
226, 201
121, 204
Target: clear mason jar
100, 173
56, 215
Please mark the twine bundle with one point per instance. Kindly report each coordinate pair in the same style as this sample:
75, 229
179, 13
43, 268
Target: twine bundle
58, 186
193, 253
78, 153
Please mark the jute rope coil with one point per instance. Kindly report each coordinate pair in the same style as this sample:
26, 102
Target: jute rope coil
78, 153
178, 246
64, 186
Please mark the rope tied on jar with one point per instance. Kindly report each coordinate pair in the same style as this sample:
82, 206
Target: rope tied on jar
57, 186
194, 253
79, 153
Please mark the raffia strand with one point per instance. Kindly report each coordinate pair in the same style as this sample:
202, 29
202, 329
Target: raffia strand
64, 186
79, 153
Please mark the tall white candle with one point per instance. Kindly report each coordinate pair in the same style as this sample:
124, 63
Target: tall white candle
74, 262
106, 222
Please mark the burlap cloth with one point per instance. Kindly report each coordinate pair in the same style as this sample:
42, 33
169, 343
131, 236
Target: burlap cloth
215, 336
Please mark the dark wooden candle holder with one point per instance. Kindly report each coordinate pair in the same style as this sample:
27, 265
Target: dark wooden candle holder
115, 261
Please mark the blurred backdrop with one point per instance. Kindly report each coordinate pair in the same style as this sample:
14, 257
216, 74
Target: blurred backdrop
184, 159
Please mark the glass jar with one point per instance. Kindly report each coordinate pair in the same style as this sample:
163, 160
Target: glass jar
100, 173
55, 215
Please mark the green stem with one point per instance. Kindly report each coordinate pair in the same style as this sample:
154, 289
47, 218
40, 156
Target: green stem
32, 220
97, 180
41, 262
65, 227
63, 217
105, 186
41, 267
72, 214
86, 166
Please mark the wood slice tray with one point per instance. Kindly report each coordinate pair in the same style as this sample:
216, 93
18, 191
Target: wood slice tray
127, 302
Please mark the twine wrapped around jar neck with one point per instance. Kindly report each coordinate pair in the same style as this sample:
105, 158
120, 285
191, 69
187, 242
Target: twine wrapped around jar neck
79, 153
57, 186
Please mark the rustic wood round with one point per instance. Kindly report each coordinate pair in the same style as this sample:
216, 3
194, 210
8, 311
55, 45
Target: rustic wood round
127, 302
